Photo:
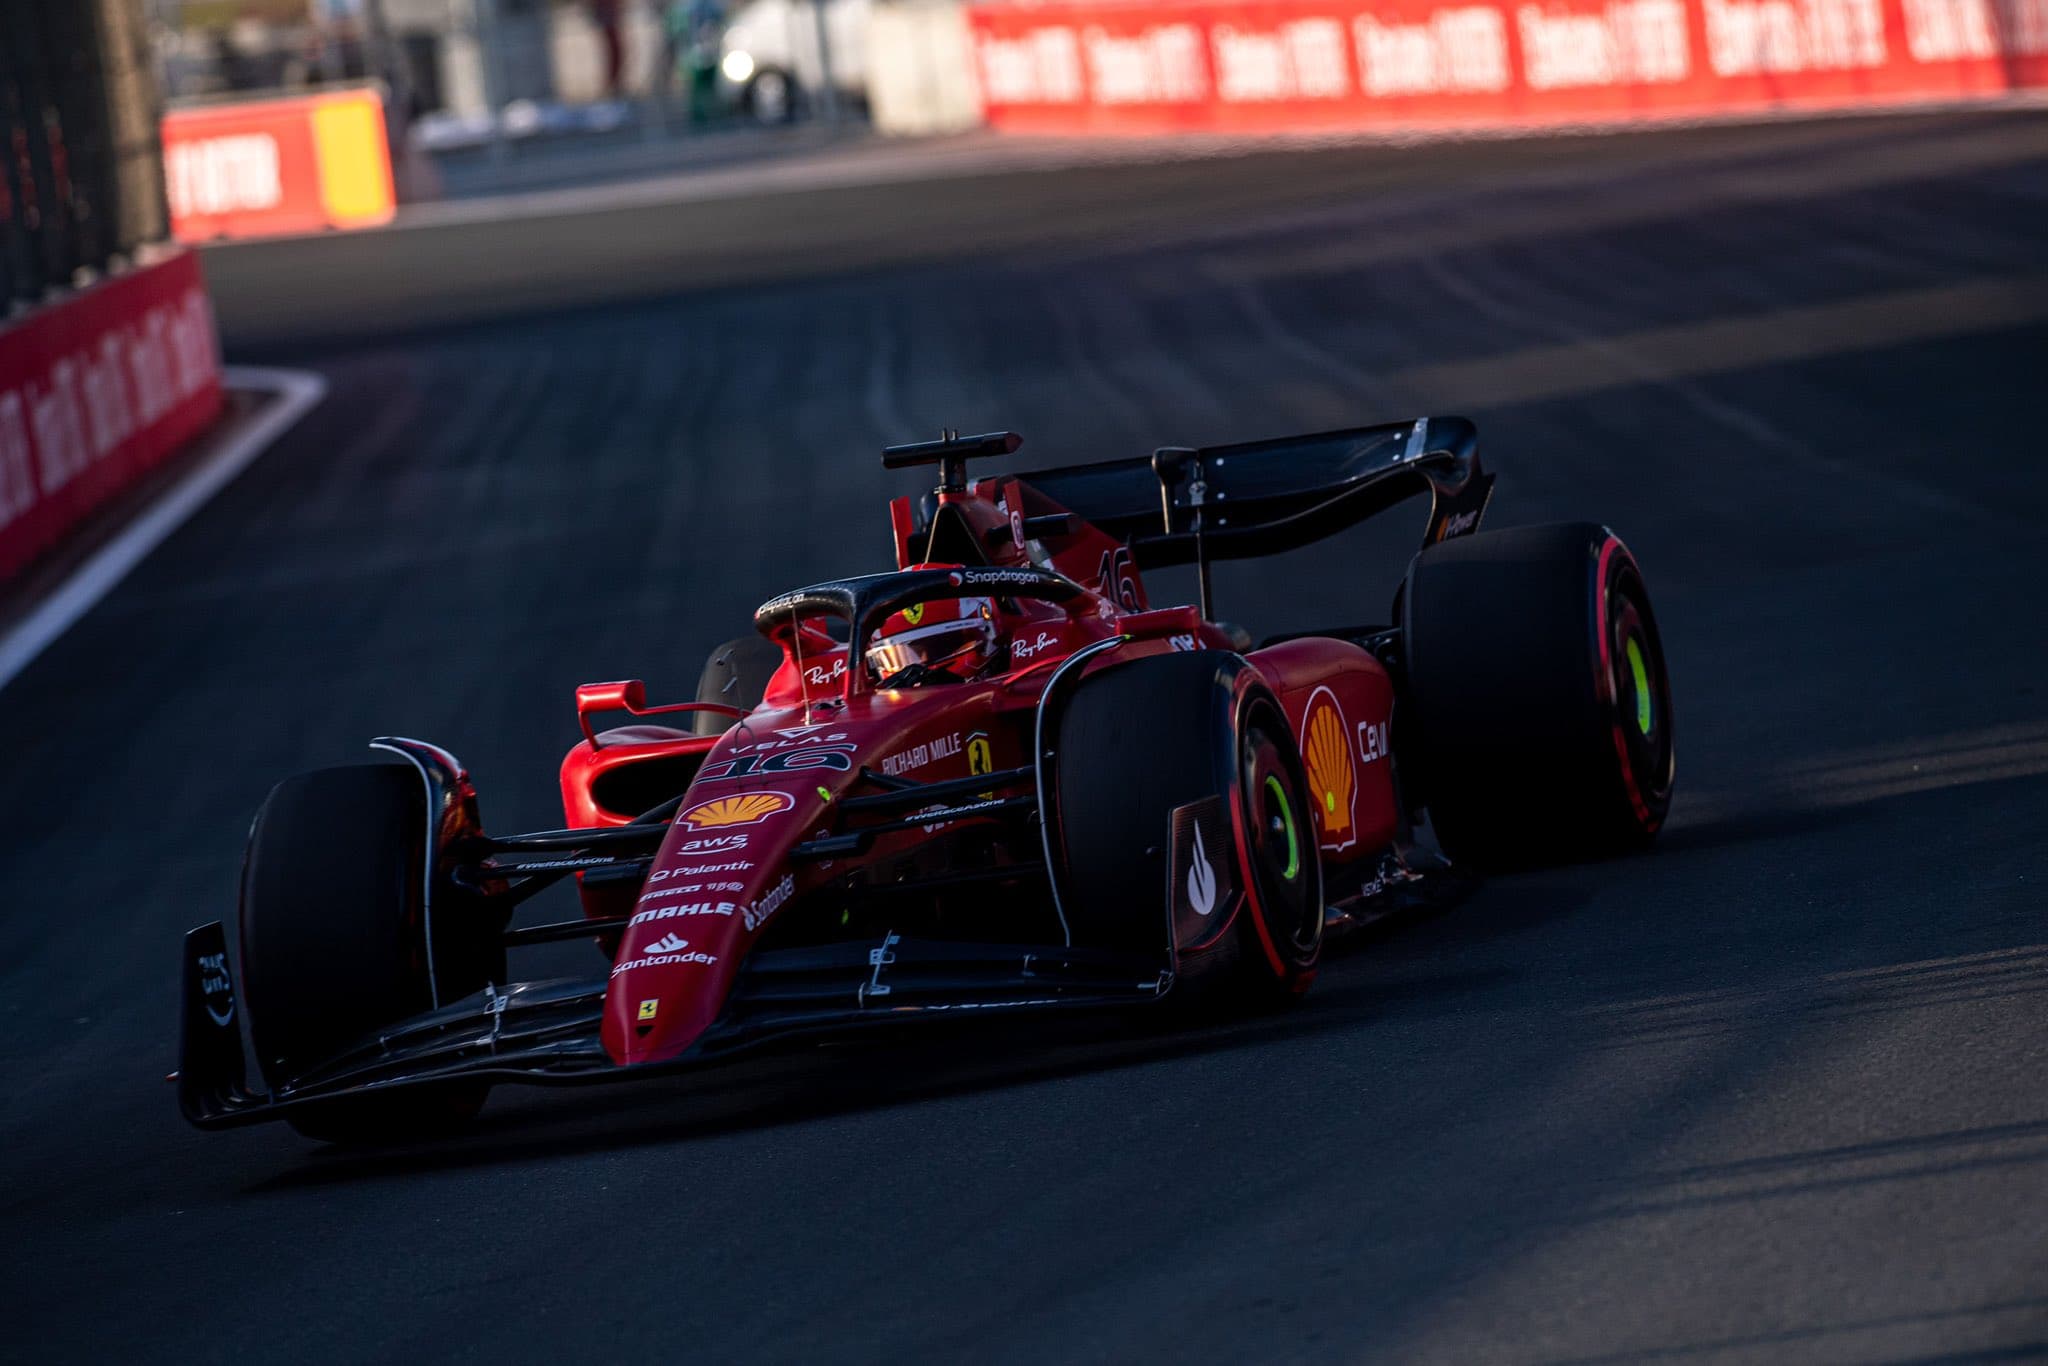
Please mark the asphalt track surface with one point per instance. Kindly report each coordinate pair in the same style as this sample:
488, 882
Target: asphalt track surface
1778, 1091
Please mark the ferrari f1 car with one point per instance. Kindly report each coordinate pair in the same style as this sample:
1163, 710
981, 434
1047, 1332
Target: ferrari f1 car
997, 779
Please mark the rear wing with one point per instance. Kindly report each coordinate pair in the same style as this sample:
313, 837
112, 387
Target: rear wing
1261, 497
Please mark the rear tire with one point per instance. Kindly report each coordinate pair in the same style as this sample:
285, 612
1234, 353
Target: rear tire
1139, 741
1539, 706
735, 675
334, 945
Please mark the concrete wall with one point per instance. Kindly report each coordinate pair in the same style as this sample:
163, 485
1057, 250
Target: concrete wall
921, 68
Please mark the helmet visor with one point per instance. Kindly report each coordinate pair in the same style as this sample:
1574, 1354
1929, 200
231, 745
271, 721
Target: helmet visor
958, 647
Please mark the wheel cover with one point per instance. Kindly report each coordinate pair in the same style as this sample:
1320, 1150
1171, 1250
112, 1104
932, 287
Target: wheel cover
1640, 692
1278, 813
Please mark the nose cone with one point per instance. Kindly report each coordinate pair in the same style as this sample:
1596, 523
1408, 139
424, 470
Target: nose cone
720, 873
724, 868
671, 979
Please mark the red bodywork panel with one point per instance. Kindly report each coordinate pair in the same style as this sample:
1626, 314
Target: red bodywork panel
1340, 704
723, 872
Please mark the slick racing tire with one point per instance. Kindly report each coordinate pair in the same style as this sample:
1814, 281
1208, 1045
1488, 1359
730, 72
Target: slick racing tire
333, 943
1539, 722
735, 675
1137, 742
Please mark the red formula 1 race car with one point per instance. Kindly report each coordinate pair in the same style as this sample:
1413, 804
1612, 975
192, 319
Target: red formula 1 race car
996, 779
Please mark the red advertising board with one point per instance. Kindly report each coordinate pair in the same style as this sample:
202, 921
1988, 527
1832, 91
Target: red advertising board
263, 167
94, 392
1081, 66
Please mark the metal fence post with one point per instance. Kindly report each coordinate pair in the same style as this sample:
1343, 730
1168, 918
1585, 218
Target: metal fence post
486, 14
828, 98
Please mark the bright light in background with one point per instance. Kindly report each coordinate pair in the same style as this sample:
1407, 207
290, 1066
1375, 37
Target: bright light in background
737, 66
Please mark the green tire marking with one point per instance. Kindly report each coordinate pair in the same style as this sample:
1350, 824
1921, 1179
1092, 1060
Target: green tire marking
1293, 867
1642, 680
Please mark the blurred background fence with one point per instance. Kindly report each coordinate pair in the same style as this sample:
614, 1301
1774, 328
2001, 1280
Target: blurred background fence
80, 185
473, 87
480, 96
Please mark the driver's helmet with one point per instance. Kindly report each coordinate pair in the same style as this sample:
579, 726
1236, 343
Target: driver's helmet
955, 637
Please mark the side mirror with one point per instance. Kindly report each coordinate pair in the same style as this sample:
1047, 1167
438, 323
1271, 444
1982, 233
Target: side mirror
630, 695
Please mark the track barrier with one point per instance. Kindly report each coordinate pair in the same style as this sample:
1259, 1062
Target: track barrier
96, 390
258, 168
1151, 66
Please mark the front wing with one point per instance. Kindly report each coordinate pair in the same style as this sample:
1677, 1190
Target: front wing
547, 1032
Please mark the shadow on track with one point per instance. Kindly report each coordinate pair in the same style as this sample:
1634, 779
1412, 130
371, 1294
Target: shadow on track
1751, 826
836, 1079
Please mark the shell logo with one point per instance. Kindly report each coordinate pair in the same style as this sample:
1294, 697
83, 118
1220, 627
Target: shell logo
749, 809
1332, 773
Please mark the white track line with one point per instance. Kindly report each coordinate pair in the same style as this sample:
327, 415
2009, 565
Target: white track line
296, 391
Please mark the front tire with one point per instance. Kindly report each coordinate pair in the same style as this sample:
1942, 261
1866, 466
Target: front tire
334, 943
1141, 740
1540, 709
